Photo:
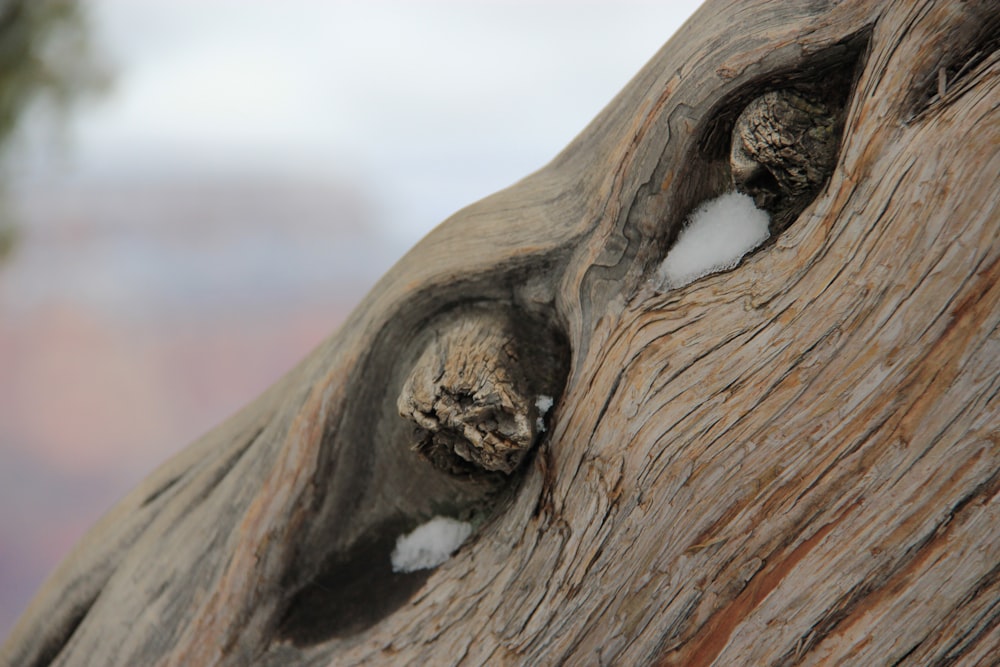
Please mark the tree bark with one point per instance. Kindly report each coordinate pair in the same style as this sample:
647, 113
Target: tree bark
793, 462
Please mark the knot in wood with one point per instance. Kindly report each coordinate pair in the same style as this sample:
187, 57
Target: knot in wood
783, 148
472, 394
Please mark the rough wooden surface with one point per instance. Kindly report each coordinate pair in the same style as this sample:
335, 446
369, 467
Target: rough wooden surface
783, 149
794, 462
474, 393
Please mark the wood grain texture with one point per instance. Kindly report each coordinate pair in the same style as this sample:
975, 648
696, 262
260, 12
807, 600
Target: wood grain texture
796, 462
474, 393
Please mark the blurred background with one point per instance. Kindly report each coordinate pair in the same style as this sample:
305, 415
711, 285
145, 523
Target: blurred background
194, 193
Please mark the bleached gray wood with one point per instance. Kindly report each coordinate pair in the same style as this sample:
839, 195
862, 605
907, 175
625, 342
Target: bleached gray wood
794, 462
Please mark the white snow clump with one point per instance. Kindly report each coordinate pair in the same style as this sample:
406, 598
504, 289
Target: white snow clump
544, 404
430, 544
716, 237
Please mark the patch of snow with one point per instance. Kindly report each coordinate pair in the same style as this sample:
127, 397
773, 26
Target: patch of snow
430, 544
544, 404
716, 237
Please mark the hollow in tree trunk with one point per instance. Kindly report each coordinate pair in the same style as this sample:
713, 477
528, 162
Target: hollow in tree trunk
792, 461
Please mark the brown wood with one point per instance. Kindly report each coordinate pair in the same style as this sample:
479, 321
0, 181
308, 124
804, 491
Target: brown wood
793, 462
473, 394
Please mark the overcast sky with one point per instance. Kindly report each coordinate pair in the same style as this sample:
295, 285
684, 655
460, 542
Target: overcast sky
426, 106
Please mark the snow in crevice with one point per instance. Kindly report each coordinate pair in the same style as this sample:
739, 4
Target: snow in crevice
544, 404
715, 238
430, 544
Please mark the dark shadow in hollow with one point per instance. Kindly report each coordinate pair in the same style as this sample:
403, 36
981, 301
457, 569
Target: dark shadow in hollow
353, 591
829, 76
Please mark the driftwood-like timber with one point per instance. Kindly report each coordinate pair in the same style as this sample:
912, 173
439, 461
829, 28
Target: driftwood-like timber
795, 462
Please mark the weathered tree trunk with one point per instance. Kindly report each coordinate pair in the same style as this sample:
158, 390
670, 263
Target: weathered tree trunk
793, 462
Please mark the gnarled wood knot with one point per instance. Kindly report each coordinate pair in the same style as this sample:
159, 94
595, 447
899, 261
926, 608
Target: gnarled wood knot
784, 145
474, 393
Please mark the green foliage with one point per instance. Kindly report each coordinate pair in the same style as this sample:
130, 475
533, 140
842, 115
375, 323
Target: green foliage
8, 240
45, 58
